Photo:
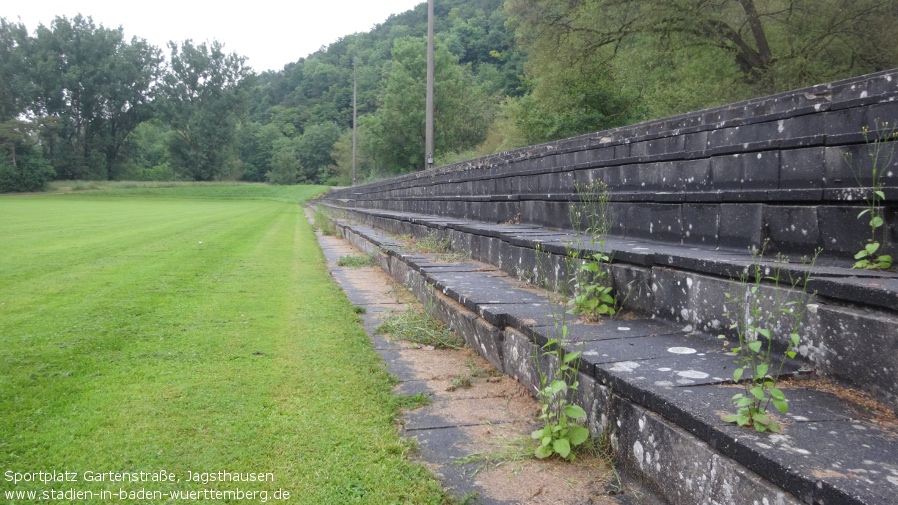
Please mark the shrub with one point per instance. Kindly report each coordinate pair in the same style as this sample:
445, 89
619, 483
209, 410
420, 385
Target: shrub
31, 172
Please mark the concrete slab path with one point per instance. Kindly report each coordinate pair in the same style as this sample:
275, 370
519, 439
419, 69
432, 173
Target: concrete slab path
475, 433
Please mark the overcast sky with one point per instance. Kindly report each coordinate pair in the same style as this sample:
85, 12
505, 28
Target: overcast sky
269, 33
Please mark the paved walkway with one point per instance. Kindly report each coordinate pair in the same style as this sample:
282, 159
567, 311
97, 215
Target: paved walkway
484, 424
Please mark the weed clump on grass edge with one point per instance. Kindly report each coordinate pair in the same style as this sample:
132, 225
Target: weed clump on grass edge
414, 325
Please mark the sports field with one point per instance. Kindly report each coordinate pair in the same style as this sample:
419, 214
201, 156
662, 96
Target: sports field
187, 343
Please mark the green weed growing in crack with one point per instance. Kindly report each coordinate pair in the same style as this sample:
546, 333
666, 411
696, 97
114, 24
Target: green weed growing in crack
594, 296
323, 222
433, 243
602, 449
562, 431
755, 322
869, 258
499, 453
358, 261
412, 402
418, 326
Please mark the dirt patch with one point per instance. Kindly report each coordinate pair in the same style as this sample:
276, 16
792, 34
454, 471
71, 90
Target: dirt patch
867, 407
497, 415
586, 481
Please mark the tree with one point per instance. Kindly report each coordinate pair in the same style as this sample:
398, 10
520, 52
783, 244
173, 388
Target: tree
15, 87
203, 96
341, 171
22, 166
314, 151
258, 144
97, 86
671, 56
147, 153
285, 166
760, 47
395, 133
29, 172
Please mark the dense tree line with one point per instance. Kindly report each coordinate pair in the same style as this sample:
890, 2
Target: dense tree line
73, 96
78, 101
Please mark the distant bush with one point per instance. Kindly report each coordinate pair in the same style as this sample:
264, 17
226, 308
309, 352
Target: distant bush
31, 171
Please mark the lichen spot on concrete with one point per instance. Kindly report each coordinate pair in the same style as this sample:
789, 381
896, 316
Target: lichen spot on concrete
693, 374
625, 366
681, 350
638, 452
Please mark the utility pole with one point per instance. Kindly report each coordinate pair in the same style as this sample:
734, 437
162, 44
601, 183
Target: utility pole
354, 118
428, 126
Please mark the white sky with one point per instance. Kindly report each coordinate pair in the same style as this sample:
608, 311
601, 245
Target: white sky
270, 33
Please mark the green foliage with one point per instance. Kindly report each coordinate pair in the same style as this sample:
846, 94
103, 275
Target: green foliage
22, 164
595, 64
758, 320
394, 135
313, 148
340, 174
591, 216
432, 243
147, 153
358, 261
417, 326
413, 402
593, 299
323, 222
284, 163
318, 89
16, 89
558, 370
26, 171
202, 97
97, 86
587, 294
271, 155
257, 144
693, 77
561, 434
881, 156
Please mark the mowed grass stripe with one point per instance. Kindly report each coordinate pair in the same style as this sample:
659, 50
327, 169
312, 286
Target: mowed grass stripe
97, 229
152, 351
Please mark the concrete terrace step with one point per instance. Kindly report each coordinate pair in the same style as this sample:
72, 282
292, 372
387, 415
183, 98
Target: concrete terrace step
832, 278
849, 329
658, 387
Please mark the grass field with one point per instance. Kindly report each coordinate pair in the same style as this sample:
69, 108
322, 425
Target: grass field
187, 331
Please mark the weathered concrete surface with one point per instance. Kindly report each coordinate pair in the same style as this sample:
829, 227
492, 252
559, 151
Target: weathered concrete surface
488, 414
658, 388
687, 286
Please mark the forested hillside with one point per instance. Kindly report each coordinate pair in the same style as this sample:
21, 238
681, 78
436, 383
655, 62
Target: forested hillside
77, 101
